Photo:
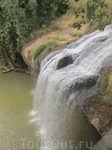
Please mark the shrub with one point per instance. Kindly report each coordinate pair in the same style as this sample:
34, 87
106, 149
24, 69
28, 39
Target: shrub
48, 48
51, 43
38, 50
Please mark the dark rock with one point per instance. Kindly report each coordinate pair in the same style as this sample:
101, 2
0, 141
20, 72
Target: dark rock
86, 83
101, 131
64, 62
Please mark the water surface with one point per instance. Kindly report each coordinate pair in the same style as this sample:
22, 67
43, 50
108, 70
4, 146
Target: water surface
19, 130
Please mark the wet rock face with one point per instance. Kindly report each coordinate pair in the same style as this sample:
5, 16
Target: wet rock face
86, 83
92, 81
64, 62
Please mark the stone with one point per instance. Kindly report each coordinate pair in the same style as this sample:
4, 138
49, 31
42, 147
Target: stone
108, 138
86, 83
95, 123
64, 62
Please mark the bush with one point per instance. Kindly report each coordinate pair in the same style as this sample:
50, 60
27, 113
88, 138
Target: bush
93, 12
38, 50
48, 49
51, 43
48, 46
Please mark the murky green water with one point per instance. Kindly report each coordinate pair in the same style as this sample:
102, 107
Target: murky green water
15, 104
16, 101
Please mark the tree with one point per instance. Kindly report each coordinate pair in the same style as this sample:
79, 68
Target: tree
95, 13
17, 18
48, 10
45, 10
13, 30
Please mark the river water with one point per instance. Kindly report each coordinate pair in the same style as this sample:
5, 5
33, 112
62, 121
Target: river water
18, 130
15, 104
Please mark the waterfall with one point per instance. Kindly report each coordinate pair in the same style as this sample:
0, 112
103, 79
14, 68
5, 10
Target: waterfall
66, 78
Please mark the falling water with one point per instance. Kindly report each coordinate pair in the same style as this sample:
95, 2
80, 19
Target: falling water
66, 78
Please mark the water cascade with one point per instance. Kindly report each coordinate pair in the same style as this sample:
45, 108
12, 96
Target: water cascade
66, 78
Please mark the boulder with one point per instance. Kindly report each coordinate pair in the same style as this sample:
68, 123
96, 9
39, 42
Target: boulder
86, 83
64, 62
95, 123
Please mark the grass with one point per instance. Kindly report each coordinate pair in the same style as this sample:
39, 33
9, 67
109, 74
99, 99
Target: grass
55, 38
48, 49
105, 79
38, 50
74, 33
29, 54
48, 46
62, 39
68, 41
51, 43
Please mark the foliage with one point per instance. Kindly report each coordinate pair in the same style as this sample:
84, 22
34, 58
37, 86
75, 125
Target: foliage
13, 30
47, 10
51, 43
73, 33
18, 18
62, 39
104, 79
95, 12
48, 46
38, 50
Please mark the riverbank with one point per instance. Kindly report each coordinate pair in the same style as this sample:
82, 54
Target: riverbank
10, 67
56, 40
